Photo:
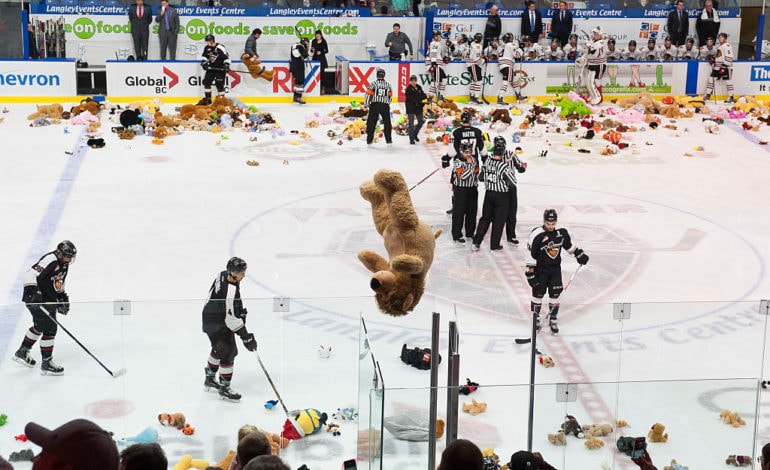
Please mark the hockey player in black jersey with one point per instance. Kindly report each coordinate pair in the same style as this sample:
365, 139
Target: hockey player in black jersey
299, 53
544, 265
216, 63
44, 289
497, 178
224, 317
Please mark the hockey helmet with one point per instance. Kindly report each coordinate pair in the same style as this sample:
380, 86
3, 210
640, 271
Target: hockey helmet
525, 39
466, 147
722, 35
597, 30
710, 39
611, 41
507, 37
463, 39
436, 34
499, 145
632, 43
478, 37
690, 41
236, 266
380, 73
549, 215
66, 249
209, 38
465, 117
651, 41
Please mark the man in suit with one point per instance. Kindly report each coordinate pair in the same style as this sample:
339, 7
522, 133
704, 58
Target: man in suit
561, 24
140, 19
678, 24
532, 22
168, 29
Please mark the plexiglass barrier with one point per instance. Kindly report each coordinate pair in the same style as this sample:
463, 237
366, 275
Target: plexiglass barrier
678, 364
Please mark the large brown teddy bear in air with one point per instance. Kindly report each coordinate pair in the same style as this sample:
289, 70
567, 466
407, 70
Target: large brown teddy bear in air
410, 243
256, 69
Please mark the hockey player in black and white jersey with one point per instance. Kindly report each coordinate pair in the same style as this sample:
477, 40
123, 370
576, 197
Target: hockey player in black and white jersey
554, 52
438, 57
688, 51
224, 316
44, 289
612, 53
708, 51
474, 60
378, 97
493, 51
507, 62
631, 52
459, 50
497, 177
299, 53
530, 50
216, 62
516, 166
572, 50
722, 69
543, 269
471, 137
597, 63
668, 51
651, 52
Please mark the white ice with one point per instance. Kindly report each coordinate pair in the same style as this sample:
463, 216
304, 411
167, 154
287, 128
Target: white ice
684, 239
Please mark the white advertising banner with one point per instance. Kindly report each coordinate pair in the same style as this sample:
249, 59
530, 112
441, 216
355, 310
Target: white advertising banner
185, 79
99, 38
640, 29
539, 78
42, 78
751, 78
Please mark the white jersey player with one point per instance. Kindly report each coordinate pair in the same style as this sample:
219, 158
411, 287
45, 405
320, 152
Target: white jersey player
554, 52
493, 50
722, 68
438, 56
572, 49
650, 52
597, 62
460, 49
631, 52
474, 61
611, 52
708, 51
531, 50
507, 62
688, 51
668, 51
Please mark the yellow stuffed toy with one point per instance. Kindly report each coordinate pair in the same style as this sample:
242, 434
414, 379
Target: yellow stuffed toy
187, 463
399, 282
52, 111
732, 418
475, 407
558, 439
656, 433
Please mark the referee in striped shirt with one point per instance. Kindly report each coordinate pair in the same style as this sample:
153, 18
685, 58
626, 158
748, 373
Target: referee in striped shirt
465, 193
497, 179
378, 97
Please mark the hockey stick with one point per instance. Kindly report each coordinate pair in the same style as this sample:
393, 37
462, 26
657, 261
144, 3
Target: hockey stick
117, 373
569, 283
423, 180
280, 400
484, 82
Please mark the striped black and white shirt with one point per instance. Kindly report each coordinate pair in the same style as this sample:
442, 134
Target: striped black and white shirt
514, 163
378, 91
465, 175
497, 175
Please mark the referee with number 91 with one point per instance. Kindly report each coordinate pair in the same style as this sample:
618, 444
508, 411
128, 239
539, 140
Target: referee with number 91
378, 97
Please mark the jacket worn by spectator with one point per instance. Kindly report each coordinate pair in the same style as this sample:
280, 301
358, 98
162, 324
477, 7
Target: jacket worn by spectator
415, 98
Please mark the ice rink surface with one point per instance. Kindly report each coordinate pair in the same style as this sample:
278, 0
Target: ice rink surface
685, 239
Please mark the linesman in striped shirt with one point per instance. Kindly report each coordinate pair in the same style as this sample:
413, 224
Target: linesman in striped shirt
514, 163
378, 97
497, 179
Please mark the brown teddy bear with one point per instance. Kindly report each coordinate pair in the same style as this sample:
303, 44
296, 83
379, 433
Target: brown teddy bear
161, 132
255, 68
448, 105
87, 104
648, 102
52, 111
656, 433
500, 115
732, 418
597, 430
176, 420
739, 460
474, 407
410, 243
594, 443
558, 439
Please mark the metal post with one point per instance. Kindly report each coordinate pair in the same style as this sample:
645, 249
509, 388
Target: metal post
760, 33
433, 390
532, 361
453, 379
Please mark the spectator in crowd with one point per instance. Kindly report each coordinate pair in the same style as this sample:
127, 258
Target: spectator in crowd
251, 445
143, 456
33, 52
707, 24
397, 43
764, 49
266, 462
461, 454
561, 24
78, 444
532, 22
415, 100
140, 18
318, 50
678, 24
523, 460
168, 29
4, 465
493, 27
764, 459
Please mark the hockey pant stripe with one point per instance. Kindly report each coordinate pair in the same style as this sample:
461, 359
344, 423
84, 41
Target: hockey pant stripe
226, 372
213, 362
536, 304
475, 86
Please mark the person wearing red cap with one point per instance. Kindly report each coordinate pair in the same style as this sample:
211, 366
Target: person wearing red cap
76, 445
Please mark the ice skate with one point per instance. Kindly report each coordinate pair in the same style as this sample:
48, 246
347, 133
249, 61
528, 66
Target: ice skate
476, 247
49, 367
730, 99
501, 101
22, 357
706, 97
460, 240
554, 326
513, 241
210, 382
299, 100
520, 97
474, 100
226, 393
